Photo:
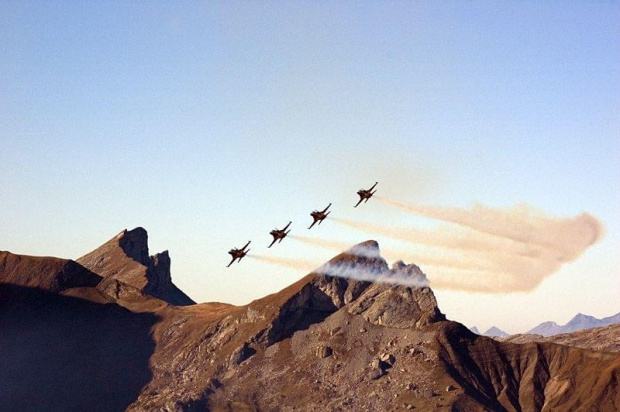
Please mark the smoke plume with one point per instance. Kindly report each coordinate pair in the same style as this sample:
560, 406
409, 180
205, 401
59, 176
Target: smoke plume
522, 224
373, 268
350, 271
491, 250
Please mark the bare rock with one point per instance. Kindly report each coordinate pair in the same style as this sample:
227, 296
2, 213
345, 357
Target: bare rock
240, 355
387, 358
324, 352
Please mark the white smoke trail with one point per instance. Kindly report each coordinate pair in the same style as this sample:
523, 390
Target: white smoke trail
372, 269
521, 223
454, 262
350, 271
496, 251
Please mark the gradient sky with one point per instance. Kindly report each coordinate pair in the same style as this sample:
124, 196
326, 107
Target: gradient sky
211, 123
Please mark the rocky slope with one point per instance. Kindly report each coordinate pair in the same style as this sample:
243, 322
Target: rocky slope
325, 343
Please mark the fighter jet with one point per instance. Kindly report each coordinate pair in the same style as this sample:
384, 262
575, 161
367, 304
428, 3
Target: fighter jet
319, 216
238, 253
279, 234
365, 194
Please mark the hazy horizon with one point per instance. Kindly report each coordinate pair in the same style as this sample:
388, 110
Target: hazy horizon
210, 124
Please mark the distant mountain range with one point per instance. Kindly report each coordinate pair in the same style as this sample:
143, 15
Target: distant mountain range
492, 331
579, 322
546, 329
601, 339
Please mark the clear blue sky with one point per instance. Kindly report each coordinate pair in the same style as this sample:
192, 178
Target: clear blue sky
211, 123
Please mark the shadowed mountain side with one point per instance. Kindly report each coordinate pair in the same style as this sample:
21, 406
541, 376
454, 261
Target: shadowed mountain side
48, 273
125, 258
61, 353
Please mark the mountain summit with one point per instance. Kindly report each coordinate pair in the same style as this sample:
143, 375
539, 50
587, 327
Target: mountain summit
126, 258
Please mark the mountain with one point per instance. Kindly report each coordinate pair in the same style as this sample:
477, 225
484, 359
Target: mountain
495, 331
324, 343
126, 258
546, 329
577, 323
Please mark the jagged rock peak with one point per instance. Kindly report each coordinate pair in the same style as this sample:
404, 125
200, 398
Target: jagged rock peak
369, 249
397, 297
135, 244
159, 273
406, 275
362, 262
125, 258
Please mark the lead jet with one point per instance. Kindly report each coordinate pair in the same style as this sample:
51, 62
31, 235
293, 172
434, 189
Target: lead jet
279, 234
319, 216
238, 253
365, 194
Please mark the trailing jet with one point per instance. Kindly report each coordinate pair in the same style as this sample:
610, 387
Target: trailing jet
279, 234
238, 253
319, 216
365, 194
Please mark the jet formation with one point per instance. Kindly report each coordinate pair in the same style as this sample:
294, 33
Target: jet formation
317, 216
279, 234
238, 253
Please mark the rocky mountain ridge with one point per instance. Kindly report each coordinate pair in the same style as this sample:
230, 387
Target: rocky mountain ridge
126, 258
325, 343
